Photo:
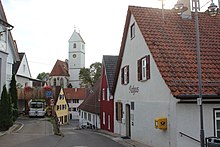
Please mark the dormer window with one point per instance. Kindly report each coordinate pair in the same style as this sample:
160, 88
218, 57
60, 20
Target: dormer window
132, 30
74, 45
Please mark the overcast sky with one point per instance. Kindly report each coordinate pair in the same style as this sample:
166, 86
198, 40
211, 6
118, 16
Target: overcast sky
42, 28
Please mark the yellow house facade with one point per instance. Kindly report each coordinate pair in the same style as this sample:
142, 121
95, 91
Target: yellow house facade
61, 108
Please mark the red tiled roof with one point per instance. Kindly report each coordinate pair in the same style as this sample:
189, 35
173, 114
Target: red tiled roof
172, 43
60, 69
92, 104
75, 93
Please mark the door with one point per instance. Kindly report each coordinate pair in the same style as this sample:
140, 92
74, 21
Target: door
128, 121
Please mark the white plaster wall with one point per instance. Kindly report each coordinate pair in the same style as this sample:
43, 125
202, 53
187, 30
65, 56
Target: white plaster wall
153, 99
3, 58
75, 64
24, 72
188, 122
23, 81
95, 119
74, 77
75, 115
65, 81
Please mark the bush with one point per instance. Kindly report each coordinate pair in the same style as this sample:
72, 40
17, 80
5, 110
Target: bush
5, 111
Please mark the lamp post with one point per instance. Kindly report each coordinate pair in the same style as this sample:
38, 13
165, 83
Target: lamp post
213, 11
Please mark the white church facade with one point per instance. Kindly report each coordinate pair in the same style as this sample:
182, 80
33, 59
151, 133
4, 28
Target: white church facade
68, 70
76, 58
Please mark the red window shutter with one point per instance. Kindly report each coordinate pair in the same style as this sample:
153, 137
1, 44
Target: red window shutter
127, 74
148, 67
139, 69
122, 76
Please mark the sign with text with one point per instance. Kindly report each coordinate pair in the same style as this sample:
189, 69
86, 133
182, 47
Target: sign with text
133, 89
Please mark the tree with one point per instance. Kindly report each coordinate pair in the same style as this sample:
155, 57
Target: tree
42, 75
89, 76
14, 97
5, 111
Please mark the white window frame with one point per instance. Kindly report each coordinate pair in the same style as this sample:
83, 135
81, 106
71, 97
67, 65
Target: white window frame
89, 117
103, 94
103, 118
143, 69
216, 119
108, 96
125, 75
109, 122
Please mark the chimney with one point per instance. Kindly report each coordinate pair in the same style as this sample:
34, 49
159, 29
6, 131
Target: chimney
186, 14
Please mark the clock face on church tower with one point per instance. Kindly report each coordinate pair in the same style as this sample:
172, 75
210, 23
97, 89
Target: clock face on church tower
74, 55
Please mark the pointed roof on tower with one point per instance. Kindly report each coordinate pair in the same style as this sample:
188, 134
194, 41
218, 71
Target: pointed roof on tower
76, 37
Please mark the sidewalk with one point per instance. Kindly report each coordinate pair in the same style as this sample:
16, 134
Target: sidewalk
16, 126
119, 139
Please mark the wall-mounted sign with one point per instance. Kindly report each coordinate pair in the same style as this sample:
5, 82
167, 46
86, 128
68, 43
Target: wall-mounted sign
49, 94
133, 89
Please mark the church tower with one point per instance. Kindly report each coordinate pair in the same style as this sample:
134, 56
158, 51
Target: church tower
76, 58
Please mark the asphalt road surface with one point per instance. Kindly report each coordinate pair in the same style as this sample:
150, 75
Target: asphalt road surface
37, 132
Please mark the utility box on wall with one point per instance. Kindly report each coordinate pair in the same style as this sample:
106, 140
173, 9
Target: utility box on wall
160, 123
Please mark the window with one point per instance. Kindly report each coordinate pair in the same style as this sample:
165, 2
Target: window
217, 122
82, 115
103, 94
103, 118
85, 115
75, 101
69, 109
74, 45
74, 109
109, 122
23, 67
57, 107
61, 82
132, 105
119, 111
54, 82
108, 95
61, 96
143, 65
65, 118
83, 46
89, 117
132, 30
125, 75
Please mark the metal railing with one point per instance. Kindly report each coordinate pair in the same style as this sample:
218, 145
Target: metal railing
183, 134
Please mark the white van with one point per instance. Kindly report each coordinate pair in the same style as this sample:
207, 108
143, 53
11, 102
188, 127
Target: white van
37, 108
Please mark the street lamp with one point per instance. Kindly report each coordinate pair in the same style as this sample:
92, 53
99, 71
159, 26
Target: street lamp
213, 11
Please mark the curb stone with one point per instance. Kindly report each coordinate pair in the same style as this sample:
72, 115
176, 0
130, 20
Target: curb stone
117, 138
14, 128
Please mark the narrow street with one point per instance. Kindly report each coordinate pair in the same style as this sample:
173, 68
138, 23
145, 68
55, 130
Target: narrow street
37, 132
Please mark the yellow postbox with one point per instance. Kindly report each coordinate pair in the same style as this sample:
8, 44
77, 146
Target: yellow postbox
160, 123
